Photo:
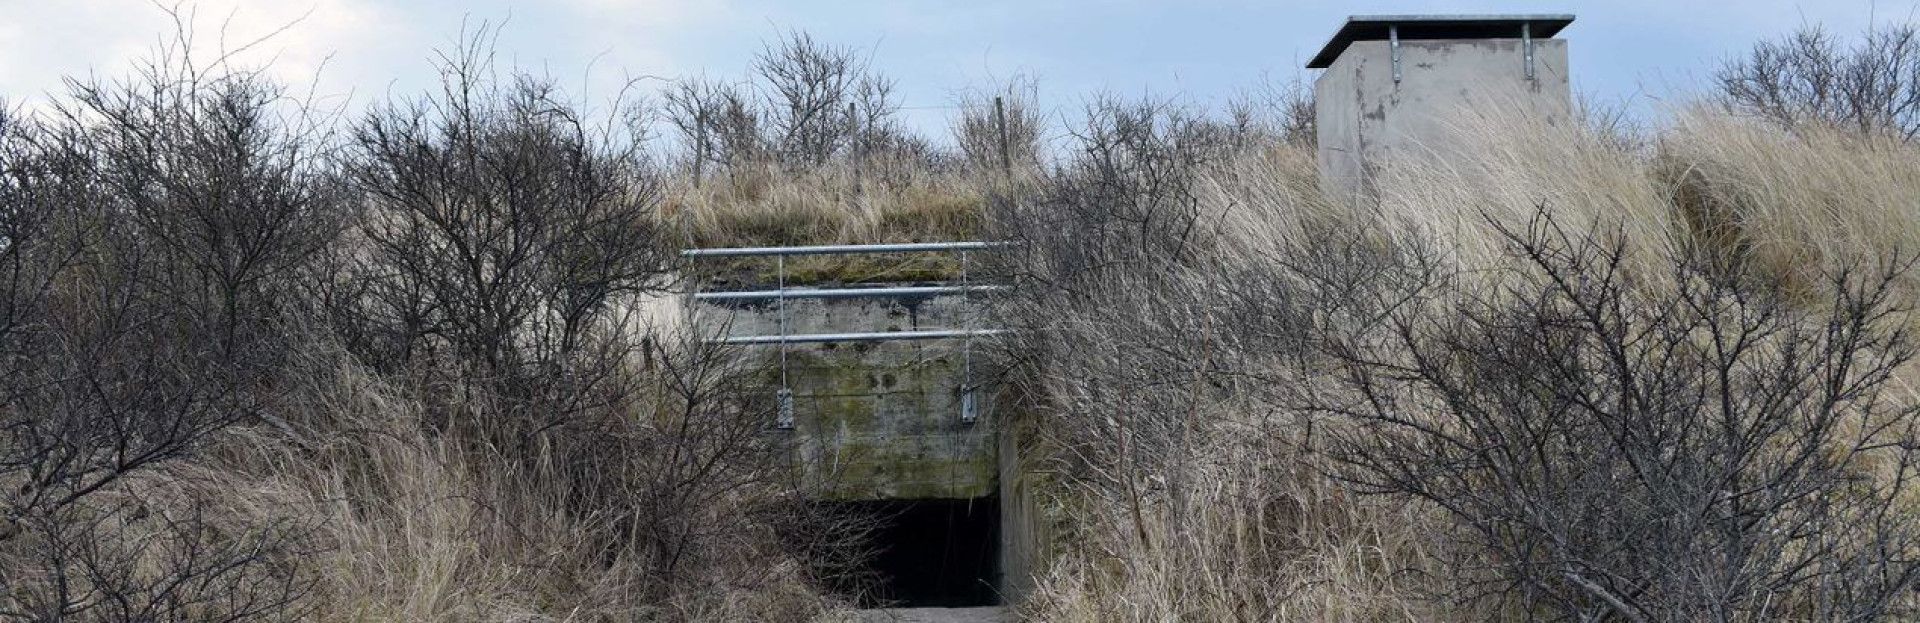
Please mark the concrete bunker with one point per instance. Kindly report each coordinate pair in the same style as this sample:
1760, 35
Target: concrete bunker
889, 407
1393, 85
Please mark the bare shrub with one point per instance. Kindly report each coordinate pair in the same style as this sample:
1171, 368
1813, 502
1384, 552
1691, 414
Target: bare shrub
128, 561
813, 152
705, 461
665, 504
502, 235
1157, 340
152, 226
821, 101
718, 124
1873, 86
498, 285
1128, 195
1112, 237
807, 104
1712, 451
1275, 113
979, 133
1213, 355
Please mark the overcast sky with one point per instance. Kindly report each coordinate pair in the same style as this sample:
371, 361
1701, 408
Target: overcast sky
1641, 52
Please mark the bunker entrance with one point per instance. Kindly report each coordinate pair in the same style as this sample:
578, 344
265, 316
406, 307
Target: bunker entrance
932, 553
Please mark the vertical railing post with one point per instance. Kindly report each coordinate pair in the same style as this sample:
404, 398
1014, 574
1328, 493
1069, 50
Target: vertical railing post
1393, 49
785, 395
1006, 142
1526, 45
969, 408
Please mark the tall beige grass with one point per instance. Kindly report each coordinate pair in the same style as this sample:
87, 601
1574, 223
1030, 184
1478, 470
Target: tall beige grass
839, 203
1247, 524
1244, 524
1239, 521
1791, 203
1261, 535
1794, 203
1491, 168
409, 525
760, 204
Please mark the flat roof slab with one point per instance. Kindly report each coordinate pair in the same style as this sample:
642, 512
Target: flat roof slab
1431, 27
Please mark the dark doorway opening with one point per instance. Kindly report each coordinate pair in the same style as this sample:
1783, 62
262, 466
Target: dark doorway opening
931, 553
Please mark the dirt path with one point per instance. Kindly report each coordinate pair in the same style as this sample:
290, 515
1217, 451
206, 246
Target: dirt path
936, 615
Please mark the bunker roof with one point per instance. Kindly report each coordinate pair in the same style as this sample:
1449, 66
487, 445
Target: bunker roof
1375, 27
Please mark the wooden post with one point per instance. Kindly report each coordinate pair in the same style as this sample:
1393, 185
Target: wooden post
857, 132
859, 148
1000, 120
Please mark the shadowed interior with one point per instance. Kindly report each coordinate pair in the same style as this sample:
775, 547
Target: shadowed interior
932, 553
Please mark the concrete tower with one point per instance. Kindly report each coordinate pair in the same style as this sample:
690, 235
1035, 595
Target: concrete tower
1393, 83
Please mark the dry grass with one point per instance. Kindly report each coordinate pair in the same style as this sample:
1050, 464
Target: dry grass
1224, 511
1262, 534
1244, 523
1499, 169
1239, 521
835, 204
1793, 204
761, 205
409, 525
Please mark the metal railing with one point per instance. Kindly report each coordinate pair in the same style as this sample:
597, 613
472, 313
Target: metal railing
846, 249
968, 406
874, 336
845, 293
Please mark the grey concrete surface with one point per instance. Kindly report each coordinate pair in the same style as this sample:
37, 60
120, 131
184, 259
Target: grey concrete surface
1366, 121
879, 421
936, 615
876, 421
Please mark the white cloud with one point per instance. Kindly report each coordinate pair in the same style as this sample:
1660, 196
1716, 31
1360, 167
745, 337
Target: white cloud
369, 47
45, 41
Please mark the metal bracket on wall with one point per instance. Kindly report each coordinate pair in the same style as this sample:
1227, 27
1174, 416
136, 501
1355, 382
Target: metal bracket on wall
784, 419
1526, 46
969, 408
1393, 48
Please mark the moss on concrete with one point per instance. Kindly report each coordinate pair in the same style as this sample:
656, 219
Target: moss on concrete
883, 423
826, 270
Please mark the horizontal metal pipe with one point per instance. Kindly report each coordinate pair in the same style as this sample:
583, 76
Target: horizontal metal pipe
844, 293
882, 336
846, 249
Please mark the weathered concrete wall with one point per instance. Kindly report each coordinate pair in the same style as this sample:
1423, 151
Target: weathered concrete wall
879, 420
1365, 121
1025, 526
